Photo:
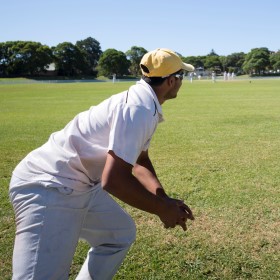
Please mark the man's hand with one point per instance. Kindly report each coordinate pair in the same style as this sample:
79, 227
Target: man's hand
175, 213
143, 191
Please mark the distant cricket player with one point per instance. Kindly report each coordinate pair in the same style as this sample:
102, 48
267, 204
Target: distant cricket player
62, 190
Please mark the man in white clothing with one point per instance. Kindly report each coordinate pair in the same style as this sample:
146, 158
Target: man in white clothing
61, 190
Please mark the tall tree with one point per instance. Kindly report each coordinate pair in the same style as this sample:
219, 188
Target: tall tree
212, 53
275, 60
69, 59
224, 62
134, 55
37, 57
24, 58
5, 58
196, 61
212, 62
113, 62
256, 61
91, 50
235, 61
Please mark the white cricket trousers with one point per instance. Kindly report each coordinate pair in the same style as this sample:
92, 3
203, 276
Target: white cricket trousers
49, 223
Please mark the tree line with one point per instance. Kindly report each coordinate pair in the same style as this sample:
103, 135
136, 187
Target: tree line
85, 58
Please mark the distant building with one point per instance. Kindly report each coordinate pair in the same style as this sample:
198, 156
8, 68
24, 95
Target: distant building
49, 70
201, 72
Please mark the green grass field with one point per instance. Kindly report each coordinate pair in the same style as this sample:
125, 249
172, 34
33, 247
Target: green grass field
218, 149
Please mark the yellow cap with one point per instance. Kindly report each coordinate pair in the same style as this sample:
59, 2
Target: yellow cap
162, 63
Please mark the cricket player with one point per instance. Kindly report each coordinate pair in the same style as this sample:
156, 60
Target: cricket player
65, 189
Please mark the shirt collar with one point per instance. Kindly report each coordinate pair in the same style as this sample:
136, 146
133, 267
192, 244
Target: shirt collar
154, 96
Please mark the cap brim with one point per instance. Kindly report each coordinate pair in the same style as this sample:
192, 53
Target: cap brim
187, 67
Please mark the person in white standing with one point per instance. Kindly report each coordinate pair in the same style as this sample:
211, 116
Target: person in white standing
62, 190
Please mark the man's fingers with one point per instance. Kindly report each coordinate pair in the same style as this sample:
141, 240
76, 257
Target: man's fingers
186, 208
169, 225
184, 227
188, 211
182, 223
179, 216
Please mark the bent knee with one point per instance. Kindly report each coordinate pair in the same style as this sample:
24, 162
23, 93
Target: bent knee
130, 231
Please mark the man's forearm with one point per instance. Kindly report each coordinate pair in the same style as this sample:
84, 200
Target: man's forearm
118, 180
145, 173
145, 193
149, 180
131, 191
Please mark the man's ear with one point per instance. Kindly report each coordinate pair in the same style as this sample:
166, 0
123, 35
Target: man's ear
170, 81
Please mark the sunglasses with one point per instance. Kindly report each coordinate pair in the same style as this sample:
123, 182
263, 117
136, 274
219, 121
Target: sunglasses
179, 76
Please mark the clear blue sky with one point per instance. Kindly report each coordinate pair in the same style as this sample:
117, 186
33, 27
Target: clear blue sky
189, 27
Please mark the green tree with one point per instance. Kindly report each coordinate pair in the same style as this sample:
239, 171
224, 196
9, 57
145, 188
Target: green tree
5, 58
24, 58
235, 61
212, 62
212, 53
69, 59
113, 62
224, 62
275, 60
91, 50
256, 61
37, 57
134, 55
196, 61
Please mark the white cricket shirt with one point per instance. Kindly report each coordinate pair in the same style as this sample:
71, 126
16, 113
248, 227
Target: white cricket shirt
75, 156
